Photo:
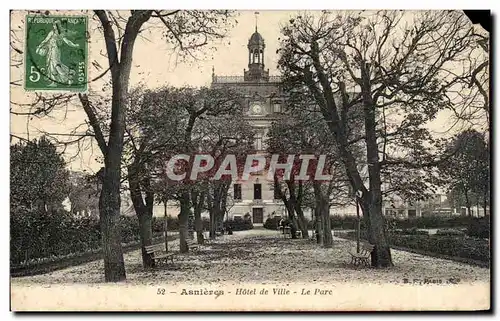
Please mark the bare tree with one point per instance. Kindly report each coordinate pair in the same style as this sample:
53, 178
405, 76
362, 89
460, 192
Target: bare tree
187, 31
401, 68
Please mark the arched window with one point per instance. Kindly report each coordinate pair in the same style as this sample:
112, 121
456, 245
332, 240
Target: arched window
258, 142
255, 56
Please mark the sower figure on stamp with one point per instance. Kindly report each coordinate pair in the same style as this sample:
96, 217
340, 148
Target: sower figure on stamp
50, 47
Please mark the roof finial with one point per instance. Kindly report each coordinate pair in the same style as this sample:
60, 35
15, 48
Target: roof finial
256, 13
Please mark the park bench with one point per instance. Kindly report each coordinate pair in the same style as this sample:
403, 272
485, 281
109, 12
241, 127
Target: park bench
192, 244
206, 237
158, 254
363, 257
288, 232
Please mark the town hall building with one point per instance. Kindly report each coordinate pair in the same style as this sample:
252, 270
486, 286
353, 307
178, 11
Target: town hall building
263, 102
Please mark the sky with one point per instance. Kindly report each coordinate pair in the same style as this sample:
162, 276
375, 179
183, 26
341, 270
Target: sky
154, 65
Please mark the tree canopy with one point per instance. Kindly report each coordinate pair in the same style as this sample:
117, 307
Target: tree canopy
38, 177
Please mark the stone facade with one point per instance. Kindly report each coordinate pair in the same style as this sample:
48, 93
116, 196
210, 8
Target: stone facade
263, 102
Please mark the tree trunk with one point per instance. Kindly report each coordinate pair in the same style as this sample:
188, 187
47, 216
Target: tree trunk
293, 221
210, 205
109, 200
212, 223
365, 209
302, 221
381, 255
318, 213
143, 210
485, 202
327, 226
198, 223
319, 225
217, 204
146, 231
183, 223
323, 216
165, 223
297, 200
467, 202
109, 216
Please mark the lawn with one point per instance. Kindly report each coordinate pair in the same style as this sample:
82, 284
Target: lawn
263, 256
233, 271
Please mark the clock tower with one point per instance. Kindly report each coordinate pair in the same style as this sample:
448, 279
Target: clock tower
256, 46
263, 101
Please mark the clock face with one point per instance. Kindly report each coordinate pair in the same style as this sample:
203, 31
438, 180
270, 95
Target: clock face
256, 109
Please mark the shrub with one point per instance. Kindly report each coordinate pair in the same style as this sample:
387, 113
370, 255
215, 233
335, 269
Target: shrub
449, 232
37, 234
411, 231
479, 228
352, 235
206, 224
272, 223
431, 222
346, 222
159, 227
238, 224
468, 248
475, 249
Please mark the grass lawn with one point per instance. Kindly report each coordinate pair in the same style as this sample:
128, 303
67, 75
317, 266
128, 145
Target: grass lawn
263, 256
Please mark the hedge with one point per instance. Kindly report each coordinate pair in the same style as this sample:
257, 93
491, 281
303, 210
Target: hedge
38, 235
238, 224
411, 231
449, 232
479, 228
469, 248
272, 223
436, 222
450, 245
476, 227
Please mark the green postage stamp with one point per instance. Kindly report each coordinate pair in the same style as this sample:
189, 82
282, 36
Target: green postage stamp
56, 53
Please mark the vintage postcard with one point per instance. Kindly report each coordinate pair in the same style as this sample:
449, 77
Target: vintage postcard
222, 160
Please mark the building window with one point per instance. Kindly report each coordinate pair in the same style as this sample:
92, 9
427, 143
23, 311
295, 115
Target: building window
257, 191
390, 212
277, 108
258, 142
237, 191
255, 57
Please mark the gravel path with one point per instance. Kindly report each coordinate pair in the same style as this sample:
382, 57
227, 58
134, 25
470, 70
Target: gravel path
263, 256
